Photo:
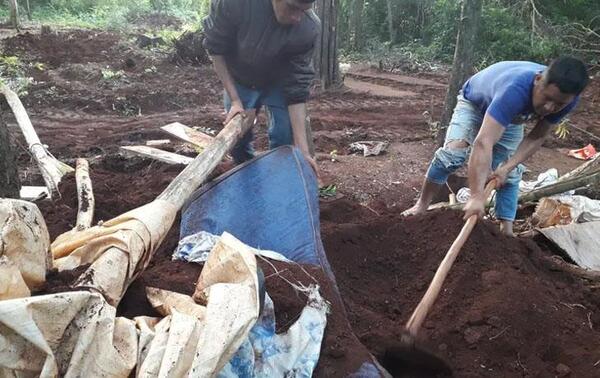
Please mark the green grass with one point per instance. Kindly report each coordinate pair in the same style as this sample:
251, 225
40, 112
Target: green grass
110, 14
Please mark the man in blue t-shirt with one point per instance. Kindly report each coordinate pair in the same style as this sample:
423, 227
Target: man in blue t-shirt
487, 124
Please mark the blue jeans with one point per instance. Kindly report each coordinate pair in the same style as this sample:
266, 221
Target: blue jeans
464, 126
278, 119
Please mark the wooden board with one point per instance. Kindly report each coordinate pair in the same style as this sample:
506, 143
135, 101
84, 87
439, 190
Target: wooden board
187, 134
30, 193
156, 154
579, 240
158, 142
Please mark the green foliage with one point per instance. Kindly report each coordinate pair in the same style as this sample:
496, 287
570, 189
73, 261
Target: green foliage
328, 191
110, 75
427, 29
12, 74
10, 65
111, 13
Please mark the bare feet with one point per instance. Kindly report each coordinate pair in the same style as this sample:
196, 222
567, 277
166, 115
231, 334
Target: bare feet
417, 209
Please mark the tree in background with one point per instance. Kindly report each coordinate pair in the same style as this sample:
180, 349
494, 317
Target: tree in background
355, 27
9, 177
14, 13
464, 54
28, 10
326, 54
390, 20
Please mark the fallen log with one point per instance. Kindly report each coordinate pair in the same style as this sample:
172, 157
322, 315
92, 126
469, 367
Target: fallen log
561, 187
589, 166
52, 169
537, 194
85, 195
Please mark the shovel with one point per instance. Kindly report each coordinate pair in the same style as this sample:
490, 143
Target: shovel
120, 249
405, 358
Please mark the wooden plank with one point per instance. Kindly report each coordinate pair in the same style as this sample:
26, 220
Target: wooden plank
156, 154
158, 142
30, 193
579, 240
187, 134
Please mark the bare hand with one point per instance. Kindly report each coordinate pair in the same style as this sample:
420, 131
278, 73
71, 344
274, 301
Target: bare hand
499, 175
474, 206
236, 108
313, 164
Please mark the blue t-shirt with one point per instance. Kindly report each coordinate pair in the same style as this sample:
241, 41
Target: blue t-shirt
504, 90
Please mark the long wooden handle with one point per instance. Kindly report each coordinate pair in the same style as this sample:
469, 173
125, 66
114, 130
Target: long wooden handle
418, 316
194, 175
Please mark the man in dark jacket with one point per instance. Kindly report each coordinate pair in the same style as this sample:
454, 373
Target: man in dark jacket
262, 52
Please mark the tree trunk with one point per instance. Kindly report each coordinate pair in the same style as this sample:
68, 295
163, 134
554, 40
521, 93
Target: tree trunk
390, 19
462, 66
9, 174
28, 9
326, 58
14, 14
357, 42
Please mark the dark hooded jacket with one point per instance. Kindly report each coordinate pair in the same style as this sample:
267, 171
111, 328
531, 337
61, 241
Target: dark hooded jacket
260, 52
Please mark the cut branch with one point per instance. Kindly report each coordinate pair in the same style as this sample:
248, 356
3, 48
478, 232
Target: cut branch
546, 191
52, 170
85, 195
590, 166
561, 187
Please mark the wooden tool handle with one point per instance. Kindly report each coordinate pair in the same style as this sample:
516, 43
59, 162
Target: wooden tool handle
194, 175
418, 317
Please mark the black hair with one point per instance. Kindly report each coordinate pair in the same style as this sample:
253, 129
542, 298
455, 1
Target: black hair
568, 74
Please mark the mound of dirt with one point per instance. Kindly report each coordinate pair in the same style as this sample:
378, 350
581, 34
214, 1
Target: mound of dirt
501, 312
189, 49
56, 49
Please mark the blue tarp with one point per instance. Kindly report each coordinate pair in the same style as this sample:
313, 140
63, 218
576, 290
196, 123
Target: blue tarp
270, 202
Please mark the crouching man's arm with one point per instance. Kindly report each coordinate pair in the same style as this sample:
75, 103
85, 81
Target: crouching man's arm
532, 142
480, 164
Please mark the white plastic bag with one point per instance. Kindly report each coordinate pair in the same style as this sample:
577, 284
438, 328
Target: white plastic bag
73, 334
196, 248
24, 240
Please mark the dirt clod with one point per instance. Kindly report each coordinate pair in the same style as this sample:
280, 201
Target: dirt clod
563, 370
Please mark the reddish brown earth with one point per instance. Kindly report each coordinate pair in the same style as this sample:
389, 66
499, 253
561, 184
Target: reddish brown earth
502, 312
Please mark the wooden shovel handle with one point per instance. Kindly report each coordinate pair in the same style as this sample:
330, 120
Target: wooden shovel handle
418, 317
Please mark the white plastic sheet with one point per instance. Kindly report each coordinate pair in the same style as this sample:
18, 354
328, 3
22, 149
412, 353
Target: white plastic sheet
24, 240
197, 247
72, 334
200, 342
